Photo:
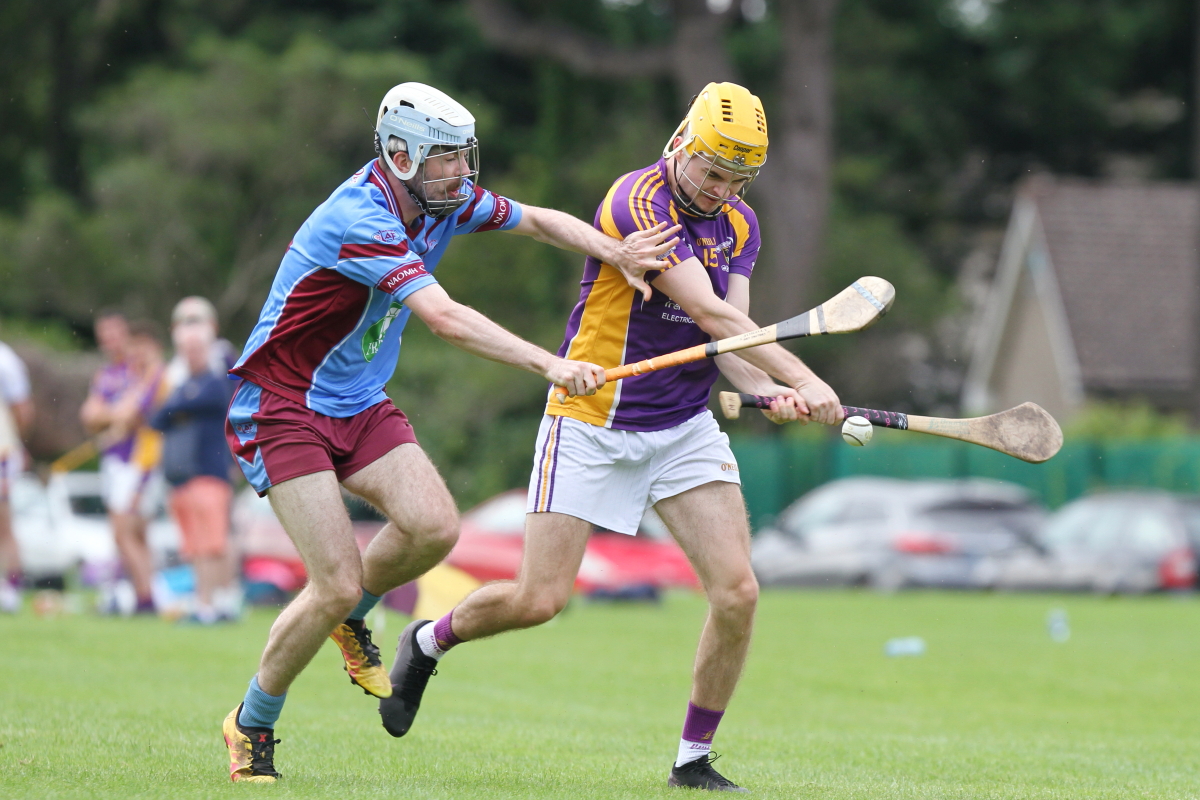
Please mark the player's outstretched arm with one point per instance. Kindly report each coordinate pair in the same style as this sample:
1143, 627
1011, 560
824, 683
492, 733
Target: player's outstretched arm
634, 256
466, 328
688, 285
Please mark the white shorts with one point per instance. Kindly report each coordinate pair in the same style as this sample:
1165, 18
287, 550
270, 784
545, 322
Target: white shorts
129, 489
610, 477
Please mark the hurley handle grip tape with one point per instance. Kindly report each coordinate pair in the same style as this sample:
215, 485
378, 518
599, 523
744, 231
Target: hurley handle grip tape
880, 419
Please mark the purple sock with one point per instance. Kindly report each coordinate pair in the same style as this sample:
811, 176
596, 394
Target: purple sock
444, 634
14, 580
700, 724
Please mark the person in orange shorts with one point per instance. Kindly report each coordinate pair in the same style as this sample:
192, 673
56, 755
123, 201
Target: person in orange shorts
196, 462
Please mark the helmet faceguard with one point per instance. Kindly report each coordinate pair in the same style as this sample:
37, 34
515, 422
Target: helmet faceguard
436, 131
433, 194
727, 130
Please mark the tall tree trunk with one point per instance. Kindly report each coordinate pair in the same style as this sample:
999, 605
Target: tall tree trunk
1196, 91
793, 189
62, 141
1195, 390
698, 54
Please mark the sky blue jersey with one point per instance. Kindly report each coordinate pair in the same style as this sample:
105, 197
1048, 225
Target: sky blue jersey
329, 334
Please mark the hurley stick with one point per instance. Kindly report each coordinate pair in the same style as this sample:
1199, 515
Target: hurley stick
82, 453
1026, 432
76, 457
855, 308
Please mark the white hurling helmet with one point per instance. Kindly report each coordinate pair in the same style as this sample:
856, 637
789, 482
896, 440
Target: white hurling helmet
432, 125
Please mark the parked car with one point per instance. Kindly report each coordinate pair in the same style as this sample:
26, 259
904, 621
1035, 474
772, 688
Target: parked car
47, 547
489, 548
62, 523
1121, 542
492, 541
890, 534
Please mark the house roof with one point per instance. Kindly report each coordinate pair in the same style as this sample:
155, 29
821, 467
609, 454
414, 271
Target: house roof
1125, 259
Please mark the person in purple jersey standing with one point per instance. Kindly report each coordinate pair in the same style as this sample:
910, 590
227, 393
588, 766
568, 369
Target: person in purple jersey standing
112, 413
605, 458
311, 412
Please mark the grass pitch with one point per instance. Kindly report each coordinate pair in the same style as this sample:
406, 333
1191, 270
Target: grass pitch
591, 705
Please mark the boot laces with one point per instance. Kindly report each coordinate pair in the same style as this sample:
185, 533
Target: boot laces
704, 765
262, 753
416, 677
362, 635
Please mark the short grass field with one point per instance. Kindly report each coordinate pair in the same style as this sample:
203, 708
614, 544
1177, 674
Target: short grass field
591, 705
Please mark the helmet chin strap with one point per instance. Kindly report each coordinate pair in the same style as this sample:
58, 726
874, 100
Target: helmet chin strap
421, 201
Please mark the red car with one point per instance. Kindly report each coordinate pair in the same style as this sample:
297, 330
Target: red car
489, 548
493, 538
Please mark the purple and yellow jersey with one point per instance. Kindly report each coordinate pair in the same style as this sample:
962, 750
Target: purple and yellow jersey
146, 453
612, 325
111, 382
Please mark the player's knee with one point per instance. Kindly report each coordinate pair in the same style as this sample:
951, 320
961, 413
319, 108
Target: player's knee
543, 607
738, 598
438, 533
341, 594
444, 536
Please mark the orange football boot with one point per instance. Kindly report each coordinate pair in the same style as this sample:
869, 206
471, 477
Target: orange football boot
361, 655
251, 751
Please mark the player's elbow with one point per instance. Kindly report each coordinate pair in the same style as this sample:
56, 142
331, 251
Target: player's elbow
546, 224
704, 318
92, 420
444, 322
710, 318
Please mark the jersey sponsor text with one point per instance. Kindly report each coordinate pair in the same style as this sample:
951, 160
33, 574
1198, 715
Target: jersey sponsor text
400, 276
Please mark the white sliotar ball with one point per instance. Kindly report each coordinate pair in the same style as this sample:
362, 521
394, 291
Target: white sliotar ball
856, 431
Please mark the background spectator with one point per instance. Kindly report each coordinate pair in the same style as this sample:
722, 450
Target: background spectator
198, 311
16, 413
122, 393
196, 460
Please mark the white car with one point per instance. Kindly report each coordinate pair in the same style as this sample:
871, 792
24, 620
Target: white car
61, 524
891, 534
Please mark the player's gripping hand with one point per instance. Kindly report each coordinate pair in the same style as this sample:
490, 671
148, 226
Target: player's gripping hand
818, 401
641, 251
785, 407
577, 377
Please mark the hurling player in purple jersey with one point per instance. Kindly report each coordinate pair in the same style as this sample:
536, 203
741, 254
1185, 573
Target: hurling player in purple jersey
311, 412
111, 413
606, 458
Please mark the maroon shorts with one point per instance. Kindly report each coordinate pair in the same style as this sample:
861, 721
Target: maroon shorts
274, 439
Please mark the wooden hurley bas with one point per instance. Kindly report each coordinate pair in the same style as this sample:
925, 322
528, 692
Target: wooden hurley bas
855, 308
1026, 432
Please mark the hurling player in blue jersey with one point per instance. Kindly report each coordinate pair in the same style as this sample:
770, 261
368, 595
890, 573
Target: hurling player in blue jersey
311, 412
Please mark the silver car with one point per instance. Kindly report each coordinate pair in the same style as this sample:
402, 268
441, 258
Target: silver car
1123, 542
890, 534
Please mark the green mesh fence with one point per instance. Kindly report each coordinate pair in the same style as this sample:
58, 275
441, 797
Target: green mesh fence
776, 471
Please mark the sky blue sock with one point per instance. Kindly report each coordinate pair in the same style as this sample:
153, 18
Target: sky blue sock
259, 709
366, 604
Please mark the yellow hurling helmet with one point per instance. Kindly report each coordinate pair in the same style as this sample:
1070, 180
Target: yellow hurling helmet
726, 127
